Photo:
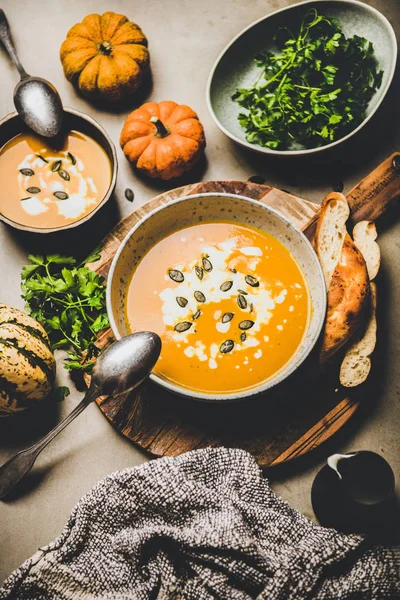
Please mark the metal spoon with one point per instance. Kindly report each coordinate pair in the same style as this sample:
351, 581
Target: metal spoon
36, 100
120, 368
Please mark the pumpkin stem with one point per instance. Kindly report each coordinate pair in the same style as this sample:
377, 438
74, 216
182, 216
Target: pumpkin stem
105, 47
162, 130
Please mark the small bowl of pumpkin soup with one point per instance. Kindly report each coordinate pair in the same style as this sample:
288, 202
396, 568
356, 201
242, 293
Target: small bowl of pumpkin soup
234, 290
53, 184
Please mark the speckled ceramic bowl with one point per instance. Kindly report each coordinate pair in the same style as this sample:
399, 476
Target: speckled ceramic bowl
12, 125
235, 66
191, 210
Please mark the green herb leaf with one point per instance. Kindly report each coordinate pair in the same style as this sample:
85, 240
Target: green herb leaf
27, 270
60, 260
36, 260
69, 301
61, 392
93, 257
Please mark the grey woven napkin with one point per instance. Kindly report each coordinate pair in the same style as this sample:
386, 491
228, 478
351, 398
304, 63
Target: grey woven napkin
201, 526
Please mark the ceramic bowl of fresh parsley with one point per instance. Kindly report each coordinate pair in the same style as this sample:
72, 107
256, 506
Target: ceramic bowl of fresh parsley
304, 78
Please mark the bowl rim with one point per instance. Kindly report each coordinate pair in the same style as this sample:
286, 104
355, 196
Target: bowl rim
306, 151
107, 195
286, 370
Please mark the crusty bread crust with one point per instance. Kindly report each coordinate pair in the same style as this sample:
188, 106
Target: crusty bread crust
347, 297
356, 364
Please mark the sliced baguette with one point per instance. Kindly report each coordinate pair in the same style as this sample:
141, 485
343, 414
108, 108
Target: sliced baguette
330, 233
364, 235
347, 299
356, 364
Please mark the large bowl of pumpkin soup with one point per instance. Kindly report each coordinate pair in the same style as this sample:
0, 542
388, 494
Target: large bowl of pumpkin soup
52, 184
234, 290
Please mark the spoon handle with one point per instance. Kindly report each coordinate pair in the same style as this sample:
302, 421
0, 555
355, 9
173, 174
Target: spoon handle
18, 465
5, 37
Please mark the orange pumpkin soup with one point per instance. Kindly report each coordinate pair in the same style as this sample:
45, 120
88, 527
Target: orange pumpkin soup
230, 303
47, 187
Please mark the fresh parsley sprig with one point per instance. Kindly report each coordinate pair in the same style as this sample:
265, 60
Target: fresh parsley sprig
313, 91
68, 299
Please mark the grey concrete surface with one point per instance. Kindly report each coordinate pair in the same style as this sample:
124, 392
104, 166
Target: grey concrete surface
185, 37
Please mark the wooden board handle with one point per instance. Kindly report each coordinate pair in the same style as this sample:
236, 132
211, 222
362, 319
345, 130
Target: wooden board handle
370, 198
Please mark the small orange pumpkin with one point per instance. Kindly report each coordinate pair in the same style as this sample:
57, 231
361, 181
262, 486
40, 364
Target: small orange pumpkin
163, 140
105, 56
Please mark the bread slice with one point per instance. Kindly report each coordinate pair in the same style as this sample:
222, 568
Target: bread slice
356, 365
330, 233
364, 235
347, 299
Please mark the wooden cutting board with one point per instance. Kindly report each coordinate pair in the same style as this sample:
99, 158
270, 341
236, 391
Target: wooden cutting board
274, 429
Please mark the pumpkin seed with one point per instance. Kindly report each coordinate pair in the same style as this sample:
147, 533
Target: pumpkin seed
129, 195
252, 281
71, 158
251, 307
23, 199
224, 287
243, 337
183, 326
42, 158
27, 172
181, 301
242, 301
196, 315
176, 275
246, 324
200, 297
207, 266
227, 346
63, 174
227, 317
61, 195
256, 179
233, 270
338, 186
242, 292
199, 272
396, 163
56, 165
33, 190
